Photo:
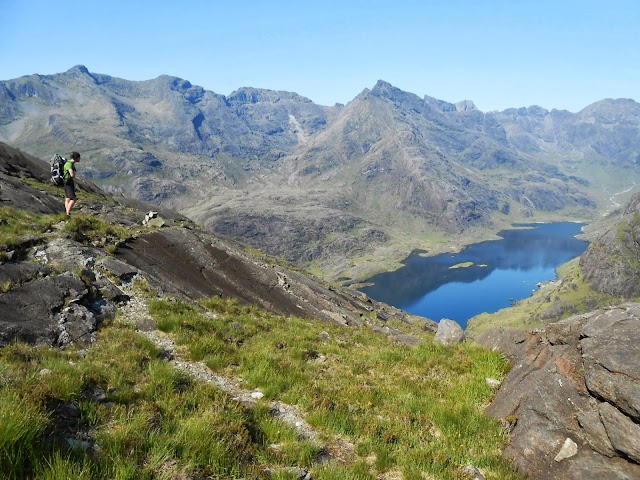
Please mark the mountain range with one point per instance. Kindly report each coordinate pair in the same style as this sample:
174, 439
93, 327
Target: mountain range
344, 190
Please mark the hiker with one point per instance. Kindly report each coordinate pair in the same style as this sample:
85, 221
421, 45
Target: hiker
69, 184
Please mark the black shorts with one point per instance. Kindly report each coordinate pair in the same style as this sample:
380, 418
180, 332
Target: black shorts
70, 189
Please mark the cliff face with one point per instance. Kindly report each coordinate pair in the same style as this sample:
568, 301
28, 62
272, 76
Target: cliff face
612, 262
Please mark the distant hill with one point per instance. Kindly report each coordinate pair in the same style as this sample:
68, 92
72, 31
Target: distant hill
336, 188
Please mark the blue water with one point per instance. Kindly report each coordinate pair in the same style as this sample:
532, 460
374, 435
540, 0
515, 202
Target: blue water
503, 271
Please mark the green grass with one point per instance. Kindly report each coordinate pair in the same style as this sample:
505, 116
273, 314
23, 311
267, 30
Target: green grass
59, 191
128, 414
412, 410
153, 422
16, 224
91, 229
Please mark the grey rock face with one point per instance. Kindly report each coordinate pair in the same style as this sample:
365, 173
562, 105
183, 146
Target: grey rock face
623, 432
197, 264
609, 348
610, 265
449, 333
29, 310
575, 379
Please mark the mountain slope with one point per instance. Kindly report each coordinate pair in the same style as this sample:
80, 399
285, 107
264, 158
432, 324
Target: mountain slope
180, 259
385, 174
148, 138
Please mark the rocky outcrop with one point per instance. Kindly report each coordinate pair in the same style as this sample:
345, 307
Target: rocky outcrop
612, 262
572, 399
198, 264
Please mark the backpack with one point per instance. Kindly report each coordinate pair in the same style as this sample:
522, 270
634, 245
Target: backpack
57, 170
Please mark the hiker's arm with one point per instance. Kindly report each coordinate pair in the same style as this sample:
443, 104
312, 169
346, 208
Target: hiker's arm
72, 172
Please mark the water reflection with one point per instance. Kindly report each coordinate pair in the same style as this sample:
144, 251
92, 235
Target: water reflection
502, 270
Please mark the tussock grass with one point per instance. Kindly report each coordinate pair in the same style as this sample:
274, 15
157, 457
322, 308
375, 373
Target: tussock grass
92, 229
417, 411
16, 224
128, 415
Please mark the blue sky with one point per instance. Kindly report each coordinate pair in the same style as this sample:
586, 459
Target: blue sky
561, 54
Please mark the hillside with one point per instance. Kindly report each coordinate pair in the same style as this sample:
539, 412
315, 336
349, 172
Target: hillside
167, 352
344, 190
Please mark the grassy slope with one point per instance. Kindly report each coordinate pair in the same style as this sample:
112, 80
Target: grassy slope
405, 410
127, 413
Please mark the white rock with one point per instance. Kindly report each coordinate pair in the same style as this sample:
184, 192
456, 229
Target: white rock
257, 395
568, 450
492, 382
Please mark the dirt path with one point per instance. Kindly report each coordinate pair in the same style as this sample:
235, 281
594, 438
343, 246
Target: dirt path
621, 192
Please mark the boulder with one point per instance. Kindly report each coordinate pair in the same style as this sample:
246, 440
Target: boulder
76, 324
449, 333
577, 379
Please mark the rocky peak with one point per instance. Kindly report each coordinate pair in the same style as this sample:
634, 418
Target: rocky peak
611, 111
532, 111
78, 69
465, 106
404, 99
440, 105
80, 73
257, 95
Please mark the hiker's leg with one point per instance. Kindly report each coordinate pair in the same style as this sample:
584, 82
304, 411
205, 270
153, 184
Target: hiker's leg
70, 205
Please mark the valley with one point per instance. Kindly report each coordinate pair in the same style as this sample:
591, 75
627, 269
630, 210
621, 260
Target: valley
345, 191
